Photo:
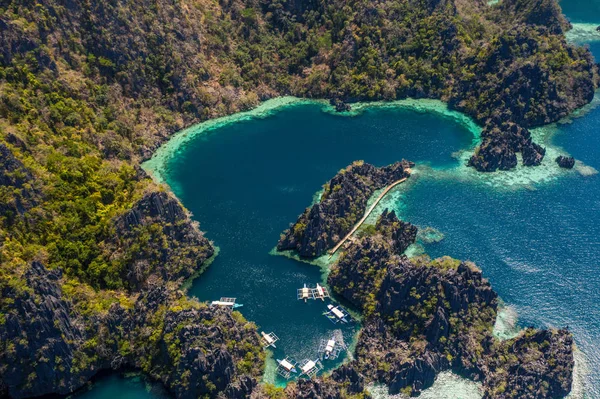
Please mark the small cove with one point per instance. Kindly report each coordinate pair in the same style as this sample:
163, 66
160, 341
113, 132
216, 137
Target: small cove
547, 282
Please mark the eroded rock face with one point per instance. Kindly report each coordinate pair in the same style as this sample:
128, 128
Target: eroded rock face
500, 143
46, 347
565, 162
542, 13
537, 364
41, 341
422, 317
344, 381
340, 106
162, 218
190, 349
342, 204
400, 234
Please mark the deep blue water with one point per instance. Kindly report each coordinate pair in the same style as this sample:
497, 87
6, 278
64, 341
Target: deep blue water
246, 182
540, 249
587, 11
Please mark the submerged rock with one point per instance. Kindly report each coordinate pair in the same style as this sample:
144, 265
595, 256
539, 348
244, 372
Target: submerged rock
429, 235
340, 106
565, 162
342, 204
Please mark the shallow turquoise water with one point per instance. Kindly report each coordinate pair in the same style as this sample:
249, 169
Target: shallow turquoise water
247, 181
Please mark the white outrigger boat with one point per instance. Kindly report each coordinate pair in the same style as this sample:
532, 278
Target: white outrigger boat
305, 293
268, 339
331, 348
318, 292
337, 314
310, 368
226, 303
286, 367
321, 292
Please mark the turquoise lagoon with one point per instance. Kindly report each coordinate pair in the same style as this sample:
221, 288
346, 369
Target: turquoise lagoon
534, 232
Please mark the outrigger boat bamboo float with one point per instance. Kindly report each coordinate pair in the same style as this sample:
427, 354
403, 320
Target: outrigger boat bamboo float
318, 292
337, 314
331, 348
305, 293
226, 303
310, 368
286, 367
268, 339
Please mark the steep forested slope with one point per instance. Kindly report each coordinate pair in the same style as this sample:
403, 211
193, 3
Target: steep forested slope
90, 88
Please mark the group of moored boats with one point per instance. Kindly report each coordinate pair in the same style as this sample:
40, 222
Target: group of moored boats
329, 349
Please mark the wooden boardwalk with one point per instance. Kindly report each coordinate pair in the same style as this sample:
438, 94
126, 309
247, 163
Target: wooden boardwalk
361, 221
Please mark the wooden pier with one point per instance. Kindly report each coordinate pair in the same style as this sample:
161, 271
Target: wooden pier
361, 221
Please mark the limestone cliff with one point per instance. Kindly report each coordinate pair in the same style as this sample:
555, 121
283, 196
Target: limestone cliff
341, 206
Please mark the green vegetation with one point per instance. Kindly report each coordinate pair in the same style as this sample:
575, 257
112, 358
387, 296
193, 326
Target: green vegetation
89, 89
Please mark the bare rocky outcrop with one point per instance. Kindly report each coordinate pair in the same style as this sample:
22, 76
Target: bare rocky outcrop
565, 162
48, 347
342, 204
500, 143
343, 382
425, 316
42, 339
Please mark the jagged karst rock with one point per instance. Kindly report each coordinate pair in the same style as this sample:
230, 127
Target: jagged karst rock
45, 344
41, 340
424, 316
360, 266
340, 106
162, 217
349, 378
341, 205
543, 13
536, 364
500, 142
401, 234
533, 154
565, 162
191, 353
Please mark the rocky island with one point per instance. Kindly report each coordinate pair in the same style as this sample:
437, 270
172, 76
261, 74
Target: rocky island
93, 252
342, 204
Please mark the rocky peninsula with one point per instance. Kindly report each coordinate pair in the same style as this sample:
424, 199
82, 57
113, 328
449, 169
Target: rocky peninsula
424, 316
342, 204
